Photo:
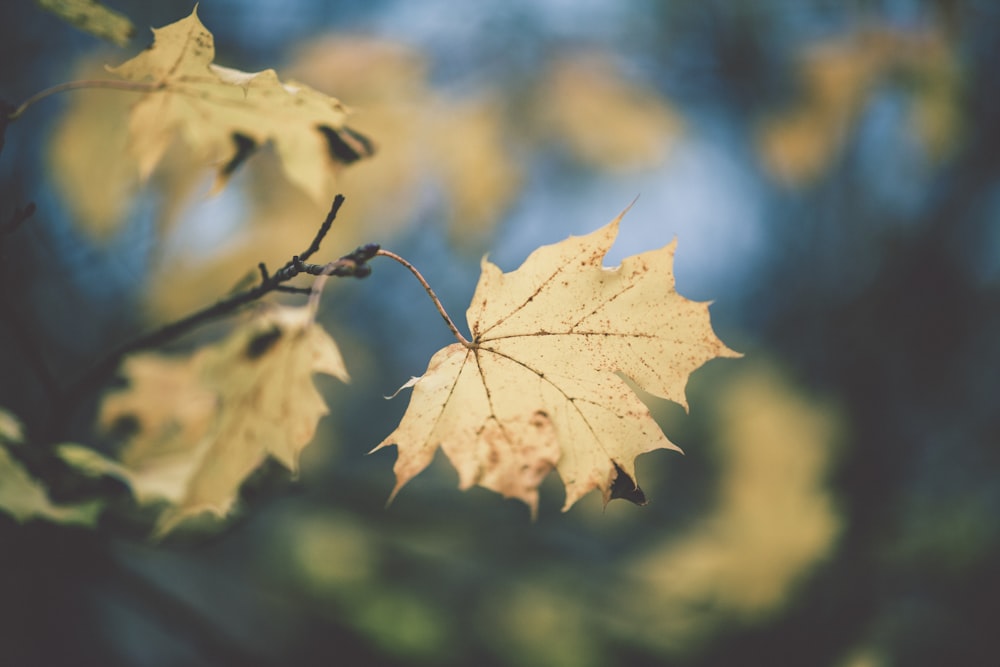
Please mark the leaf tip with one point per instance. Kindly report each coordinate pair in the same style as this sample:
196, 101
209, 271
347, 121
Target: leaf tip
625, 487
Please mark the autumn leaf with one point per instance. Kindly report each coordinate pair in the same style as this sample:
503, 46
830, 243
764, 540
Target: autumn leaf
24, 497
93, 17
225, 114
590, 107
539, 386
203, 424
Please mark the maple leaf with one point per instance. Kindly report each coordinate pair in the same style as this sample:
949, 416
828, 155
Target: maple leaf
539, 386
24, 497
225, 114
93, 17
203, 424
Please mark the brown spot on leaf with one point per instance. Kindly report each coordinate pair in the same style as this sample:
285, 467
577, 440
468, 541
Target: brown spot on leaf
245, 147
346, 145
262, 342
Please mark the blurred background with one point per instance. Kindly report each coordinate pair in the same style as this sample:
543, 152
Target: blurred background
831, 171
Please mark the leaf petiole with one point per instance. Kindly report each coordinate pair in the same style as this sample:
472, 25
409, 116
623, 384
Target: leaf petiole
134, 86
430, 292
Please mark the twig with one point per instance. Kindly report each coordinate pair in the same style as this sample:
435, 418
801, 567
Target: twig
323, 229
430, 292
353, 264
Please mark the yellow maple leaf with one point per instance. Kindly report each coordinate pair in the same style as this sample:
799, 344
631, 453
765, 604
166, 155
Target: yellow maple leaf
24, 497
539, 386
204, 424
224, 114
93, 17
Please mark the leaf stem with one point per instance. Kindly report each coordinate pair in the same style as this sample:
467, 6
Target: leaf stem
430, 292
135, 86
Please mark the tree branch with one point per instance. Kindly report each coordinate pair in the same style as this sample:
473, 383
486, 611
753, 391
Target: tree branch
353, 264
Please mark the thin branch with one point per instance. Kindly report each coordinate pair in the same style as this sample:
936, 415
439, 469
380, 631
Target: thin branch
430, 292
323, 229
353, 264
134, 86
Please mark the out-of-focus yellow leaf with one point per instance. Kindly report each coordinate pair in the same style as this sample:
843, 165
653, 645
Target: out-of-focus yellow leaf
478, 175
334, 554
606, 121
864, 656
773, 522
225, 114
460, 146
93, 17
11, 431
935, 103
203, 424
405, 625
89, 160
537, 623
799, 144
24, 497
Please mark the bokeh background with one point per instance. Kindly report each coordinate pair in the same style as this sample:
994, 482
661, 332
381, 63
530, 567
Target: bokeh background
831, 171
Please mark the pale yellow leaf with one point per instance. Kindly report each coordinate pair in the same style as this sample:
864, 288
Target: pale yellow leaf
11, 431
605, 120
224, 114
24, 497
205, 423
88, 160
774, 518
540, 386
93, 17
464, 147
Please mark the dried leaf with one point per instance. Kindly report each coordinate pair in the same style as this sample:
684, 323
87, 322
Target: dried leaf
204, 424
24, 497
224, 113
93, 17
605, 120
539, 388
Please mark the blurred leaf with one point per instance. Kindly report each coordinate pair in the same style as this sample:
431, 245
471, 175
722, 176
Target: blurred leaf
223, 114
935, 69
203, 424
93, 17
774, 518
478, 176
537, 388
606, 121
799, 144
89, 160
92, 463
24, 497
539, 624
11, 431
459, 146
